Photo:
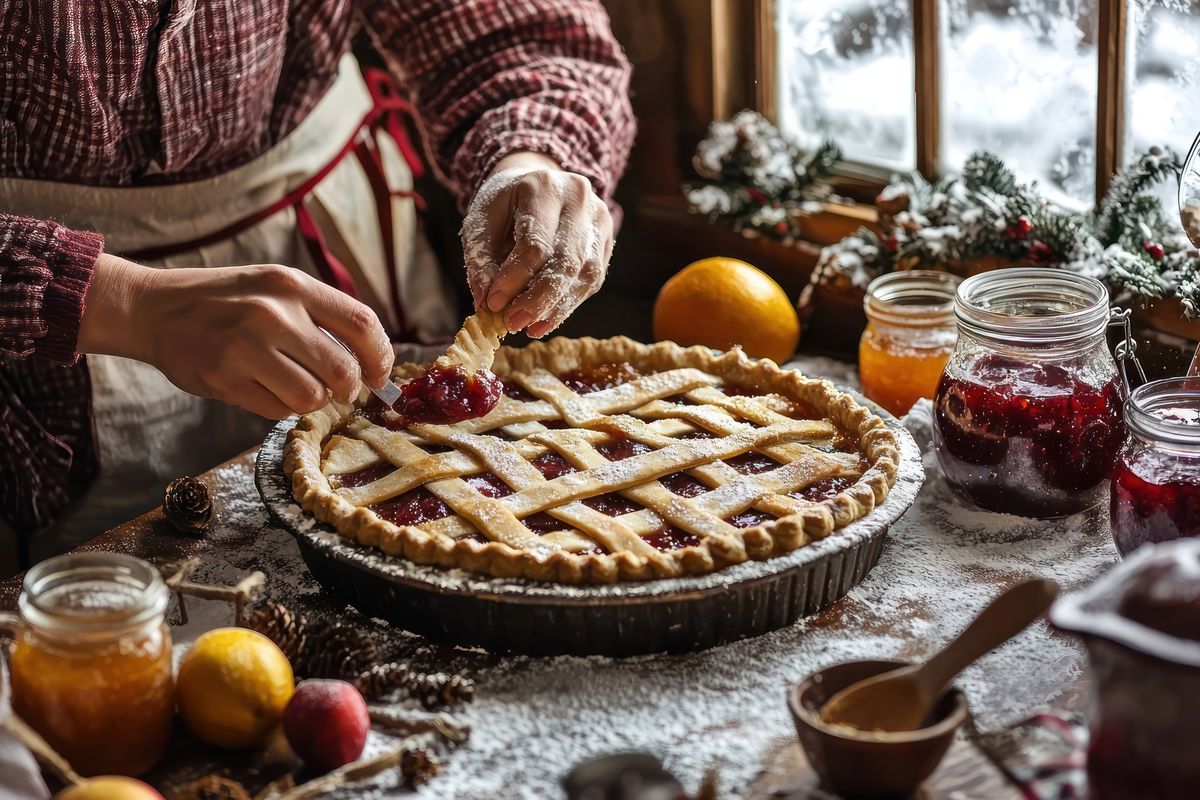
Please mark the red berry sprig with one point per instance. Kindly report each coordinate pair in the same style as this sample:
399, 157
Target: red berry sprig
1041, 254
1019, 229
1155, 250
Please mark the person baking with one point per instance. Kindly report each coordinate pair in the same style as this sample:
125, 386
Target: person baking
191, 191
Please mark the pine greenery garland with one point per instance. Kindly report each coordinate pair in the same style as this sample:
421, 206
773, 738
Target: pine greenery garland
1187, 287
1130, 241
988, 171
1128, 202
755, 180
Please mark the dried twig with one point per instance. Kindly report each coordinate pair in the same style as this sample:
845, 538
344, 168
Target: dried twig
41, 748
409, 723
176, 575
277, 787
710, 786
354, 772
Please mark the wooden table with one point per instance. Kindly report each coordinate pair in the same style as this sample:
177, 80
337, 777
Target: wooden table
149, 536
785, 773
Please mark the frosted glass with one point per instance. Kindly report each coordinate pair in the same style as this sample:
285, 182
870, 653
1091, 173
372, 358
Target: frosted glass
846, 72
1019, 79
1164, 93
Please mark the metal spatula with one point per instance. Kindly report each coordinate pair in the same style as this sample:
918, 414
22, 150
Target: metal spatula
389, 393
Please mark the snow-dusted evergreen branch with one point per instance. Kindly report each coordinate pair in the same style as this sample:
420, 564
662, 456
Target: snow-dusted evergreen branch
755, 180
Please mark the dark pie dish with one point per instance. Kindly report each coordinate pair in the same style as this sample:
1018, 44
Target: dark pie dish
640, 613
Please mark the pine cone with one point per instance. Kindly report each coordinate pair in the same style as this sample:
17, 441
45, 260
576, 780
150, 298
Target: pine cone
282, 626
323, 648
417, 766
211, 787
187, 505
383, 679
334, 650
437, 689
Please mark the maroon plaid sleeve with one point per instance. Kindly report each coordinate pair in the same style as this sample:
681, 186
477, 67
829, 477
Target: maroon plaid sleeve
45, 270
492, 77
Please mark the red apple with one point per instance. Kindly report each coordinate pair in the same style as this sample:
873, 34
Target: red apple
326, 723
109, 787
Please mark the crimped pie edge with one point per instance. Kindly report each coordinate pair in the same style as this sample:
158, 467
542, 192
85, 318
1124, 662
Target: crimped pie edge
311, 489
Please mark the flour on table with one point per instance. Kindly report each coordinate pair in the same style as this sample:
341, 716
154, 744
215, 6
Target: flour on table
534, 718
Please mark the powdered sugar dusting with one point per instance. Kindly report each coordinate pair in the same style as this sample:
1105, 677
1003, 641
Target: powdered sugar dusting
725, 707
536, 718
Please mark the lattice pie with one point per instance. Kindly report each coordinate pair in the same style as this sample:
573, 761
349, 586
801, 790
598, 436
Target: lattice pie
604, 460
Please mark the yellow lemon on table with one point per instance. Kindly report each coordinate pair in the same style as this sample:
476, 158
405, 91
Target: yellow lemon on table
109, 787
722, 302
233, 686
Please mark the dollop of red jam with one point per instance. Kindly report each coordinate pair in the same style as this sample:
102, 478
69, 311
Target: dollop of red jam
1155, 497
445, 395
1025, 438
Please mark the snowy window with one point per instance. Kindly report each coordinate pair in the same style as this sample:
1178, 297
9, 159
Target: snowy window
1164, 89
846, 72
1018, 77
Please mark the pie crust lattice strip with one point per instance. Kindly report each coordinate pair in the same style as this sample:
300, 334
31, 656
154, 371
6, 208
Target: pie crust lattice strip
475, 345
669, 469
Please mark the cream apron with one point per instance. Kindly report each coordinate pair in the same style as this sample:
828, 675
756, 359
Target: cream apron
148, 431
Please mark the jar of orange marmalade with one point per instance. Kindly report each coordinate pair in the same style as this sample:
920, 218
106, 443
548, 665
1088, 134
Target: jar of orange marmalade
909, 337
91, 667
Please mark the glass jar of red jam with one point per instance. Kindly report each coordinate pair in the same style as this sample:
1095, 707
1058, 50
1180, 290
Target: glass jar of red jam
909, 336
1156, 481
1027, 415
91, 667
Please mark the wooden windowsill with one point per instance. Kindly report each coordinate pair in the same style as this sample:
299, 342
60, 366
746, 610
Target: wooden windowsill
670, 220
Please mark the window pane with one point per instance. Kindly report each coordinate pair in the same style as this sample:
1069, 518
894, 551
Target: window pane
846, 72
1019, 79
1164, 97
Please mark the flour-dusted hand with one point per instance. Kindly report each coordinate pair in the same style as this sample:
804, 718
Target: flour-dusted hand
248, 336
537, 240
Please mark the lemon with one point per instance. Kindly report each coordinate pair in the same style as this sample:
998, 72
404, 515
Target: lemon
233, 686
109, 787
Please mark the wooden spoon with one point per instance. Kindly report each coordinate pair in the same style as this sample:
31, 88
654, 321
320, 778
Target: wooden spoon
900, 700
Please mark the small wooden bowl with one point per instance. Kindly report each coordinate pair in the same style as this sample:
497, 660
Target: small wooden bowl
869, 764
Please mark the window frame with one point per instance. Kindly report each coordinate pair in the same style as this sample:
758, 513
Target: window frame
758, 16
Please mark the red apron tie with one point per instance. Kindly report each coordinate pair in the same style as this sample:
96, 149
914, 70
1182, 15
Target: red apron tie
387, 112
331, 269
392, 106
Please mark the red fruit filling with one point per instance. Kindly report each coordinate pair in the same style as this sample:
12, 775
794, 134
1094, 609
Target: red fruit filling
824, 489
1026, 438
445, 395
450, 395
798, 409
602, 376
419, 505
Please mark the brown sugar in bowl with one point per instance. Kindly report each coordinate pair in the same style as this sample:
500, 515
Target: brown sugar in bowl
863, 763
